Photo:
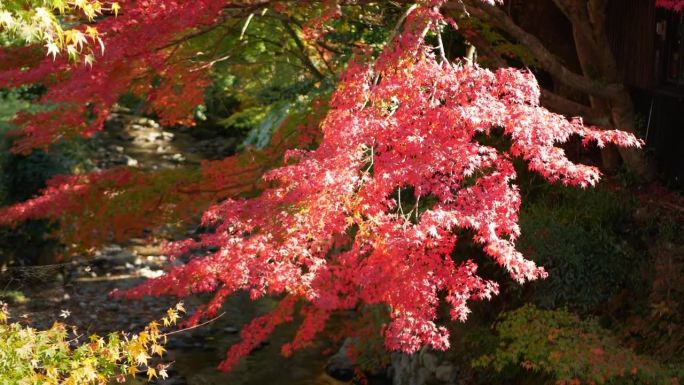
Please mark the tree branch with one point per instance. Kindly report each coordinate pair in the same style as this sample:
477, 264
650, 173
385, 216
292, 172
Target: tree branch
306, 60
546, 59
569, 107
549, 99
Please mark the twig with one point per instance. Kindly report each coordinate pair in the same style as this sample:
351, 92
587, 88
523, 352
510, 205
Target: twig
442, 54
194, 327
244, 27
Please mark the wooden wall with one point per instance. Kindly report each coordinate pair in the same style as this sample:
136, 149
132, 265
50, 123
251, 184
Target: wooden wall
631, 31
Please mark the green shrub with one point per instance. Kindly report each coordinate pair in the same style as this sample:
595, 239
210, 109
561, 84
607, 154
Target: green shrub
23, 176
560, 345
580, 239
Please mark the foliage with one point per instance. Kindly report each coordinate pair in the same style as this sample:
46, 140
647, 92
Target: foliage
12, 296
676, 5
330, 229
571, 350
60, 355
41, 21
655, 325
579, 237
22, 176
118, 203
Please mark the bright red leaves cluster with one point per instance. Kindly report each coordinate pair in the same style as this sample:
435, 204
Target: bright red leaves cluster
373, 214
675, 5
139, 47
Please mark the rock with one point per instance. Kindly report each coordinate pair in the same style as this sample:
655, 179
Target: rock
340, 365
407, 370
116, 148
165, 135
446, 373
112, 249
131, 161
147, 122
429, 360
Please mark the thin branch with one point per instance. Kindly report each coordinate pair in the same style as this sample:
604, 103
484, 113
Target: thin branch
440, 44
194, 327
244, 27
306, 60
493, 57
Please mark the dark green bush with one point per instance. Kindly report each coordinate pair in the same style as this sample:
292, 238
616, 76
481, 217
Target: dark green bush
561, 348
21, 177
581, 238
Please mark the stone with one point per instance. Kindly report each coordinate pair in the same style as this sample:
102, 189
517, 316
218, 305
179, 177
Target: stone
446, 373
340, 365
146, 272
131, 161
406, 369
429, 360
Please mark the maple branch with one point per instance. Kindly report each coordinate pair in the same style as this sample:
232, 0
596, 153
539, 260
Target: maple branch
569, 107
549, 99
400, 22
490, 52
587, 32
194, 327
440, 44
547, 60
306, 60
328, 47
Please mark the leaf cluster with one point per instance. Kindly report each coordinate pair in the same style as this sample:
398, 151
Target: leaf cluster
569, 349
47, 23
579, 236
60, 355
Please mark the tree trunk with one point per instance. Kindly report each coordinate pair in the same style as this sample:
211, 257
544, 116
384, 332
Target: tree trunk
623, 114
597, 61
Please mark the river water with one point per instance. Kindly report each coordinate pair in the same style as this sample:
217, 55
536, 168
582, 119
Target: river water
197, 362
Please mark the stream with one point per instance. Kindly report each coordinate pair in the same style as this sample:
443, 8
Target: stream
82, 287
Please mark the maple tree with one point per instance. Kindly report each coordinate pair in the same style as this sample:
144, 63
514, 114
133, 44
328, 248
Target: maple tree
368, 212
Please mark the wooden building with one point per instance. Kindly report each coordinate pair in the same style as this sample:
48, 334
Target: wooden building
648, 44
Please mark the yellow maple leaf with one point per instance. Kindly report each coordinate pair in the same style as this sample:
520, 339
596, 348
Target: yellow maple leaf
162, 373
115, 8
91, 31
151, 373
89, 373
180, 307
141, 358
154, 326
88, 60
172, 315
158, 350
